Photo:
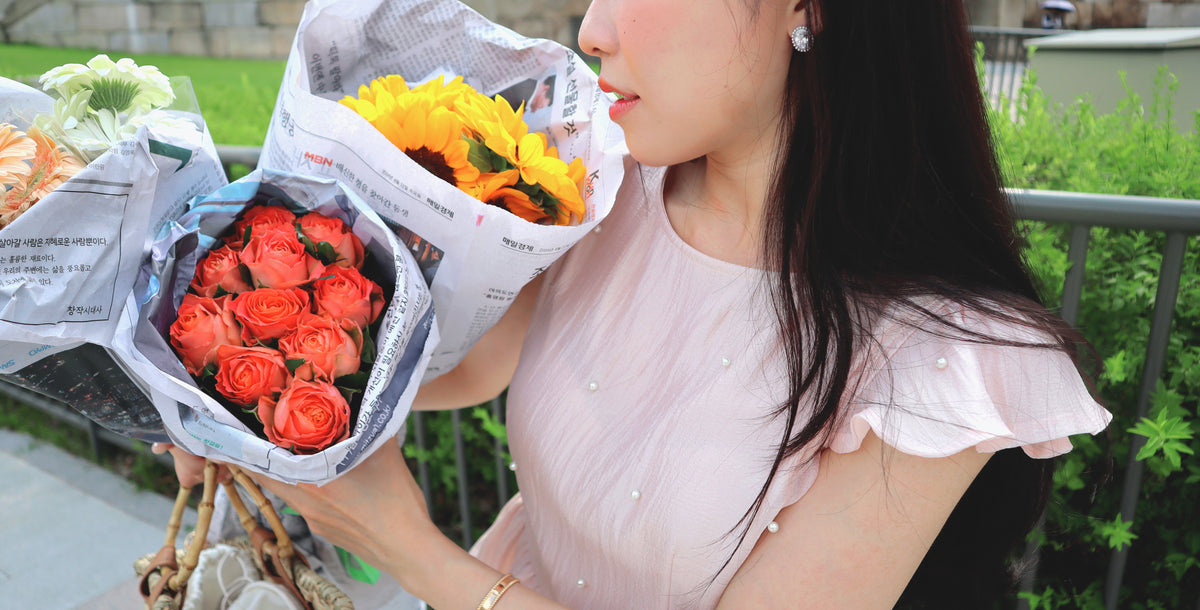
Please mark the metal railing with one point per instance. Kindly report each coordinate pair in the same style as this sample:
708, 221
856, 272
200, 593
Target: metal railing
1005, 59
1178, 219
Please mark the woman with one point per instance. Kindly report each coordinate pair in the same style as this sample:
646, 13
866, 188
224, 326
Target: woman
812, 334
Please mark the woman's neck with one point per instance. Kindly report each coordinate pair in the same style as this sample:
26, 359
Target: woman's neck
716, 205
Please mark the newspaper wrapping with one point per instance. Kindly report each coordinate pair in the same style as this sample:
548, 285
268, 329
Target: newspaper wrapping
475, 257
200, 425
68, 264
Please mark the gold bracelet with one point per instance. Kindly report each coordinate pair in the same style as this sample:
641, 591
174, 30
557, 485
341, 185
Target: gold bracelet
498, 589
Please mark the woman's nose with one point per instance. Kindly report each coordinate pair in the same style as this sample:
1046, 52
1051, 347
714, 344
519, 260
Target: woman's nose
597, 37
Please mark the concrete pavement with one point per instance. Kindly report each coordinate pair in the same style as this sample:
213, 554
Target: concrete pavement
70, 530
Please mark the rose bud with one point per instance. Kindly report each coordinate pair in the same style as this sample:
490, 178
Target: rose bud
347, 294
276, 259
203, 325
346, 245
330, 349
259, 218
267, 313
308, 417
219, 269
246, 374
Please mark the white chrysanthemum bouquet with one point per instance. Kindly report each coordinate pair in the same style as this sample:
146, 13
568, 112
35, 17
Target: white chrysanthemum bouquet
96, 105
103, 102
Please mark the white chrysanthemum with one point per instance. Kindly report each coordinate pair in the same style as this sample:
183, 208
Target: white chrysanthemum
122, 86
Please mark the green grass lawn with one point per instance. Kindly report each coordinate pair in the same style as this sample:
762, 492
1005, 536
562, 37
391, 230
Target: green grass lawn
235, 95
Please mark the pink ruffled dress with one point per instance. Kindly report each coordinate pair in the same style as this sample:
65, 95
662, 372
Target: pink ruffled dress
640, 415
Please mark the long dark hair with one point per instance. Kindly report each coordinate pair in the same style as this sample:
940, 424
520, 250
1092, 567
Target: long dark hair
887, 192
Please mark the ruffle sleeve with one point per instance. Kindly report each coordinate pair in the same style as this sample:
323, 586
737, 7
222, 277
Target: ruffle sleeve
931, 395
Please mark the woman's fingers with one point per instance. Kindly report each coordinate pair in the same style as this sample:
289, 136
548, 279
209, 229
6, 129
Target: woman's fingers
189, 469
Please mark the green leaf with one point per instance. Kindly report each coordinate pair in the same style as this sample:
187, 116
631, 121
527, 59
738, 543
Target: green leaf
246, 235
326, 253
357, 568
1116, 532
1115, 367
479, 155
1166, 434
367, 354
355, 382
293, 364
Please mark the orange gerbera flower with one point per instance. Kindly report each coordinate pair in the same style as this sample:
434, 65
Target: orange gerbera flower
15, 150
48, 168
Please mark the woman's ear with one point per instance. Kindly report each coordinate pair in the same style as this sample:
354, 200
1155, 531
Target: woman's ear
802, 13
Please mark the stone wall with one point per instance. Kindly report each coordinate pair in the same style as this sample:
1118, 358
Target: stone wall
261, 29
217, 28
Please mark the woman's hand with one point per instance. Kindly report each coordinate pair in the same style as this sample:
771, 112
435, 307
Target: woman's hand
189, 469
375, 511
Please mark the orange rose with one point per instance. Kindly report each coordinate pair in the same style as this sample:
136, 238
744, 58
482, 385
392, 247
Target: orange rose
329, 349
347, 294
267, 313
258, 219
220, 269
309, 416
346, 245
276, 259
246, 374
203, 325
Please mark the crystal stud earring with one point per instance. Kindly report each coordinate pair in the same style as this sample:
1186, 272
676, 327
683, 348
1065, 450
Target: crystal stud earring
802, 38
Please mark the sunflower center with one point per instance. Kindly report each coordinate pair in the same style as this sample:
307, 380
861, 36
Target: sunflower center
433, 161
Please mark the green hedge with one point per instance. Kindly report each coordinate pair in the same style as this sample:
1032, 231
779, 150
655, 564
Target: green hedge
1136, 150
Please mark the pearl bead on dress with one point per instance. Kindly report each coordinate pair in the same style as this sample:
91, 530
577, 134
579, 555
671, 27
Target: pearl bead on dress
725, 362
580, 583
941, 363
512, 466
593, 386
636, 495
772, 527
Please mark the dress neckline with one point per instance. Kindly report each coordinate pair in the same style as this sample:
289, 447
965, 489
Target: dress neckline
657, 200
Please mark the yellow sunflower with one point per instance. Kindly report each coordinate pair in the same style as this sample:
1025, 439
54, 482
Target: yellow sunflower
496, 124
449, 95
496, 189
427, 132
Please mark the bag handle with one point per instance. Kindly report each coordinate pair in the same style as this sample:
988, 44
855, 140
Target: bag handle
162, 584
164, 580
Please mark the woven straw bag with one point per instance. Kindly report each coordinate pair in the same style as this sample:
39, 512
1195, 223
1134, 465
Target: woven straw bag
164, 575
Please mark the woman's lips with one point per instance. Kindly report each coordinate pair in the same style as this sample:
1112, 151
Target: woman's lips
622, 106
625, 101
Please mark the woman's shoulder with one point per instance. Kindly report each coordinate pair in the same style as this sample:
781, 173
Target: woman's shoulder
938, 376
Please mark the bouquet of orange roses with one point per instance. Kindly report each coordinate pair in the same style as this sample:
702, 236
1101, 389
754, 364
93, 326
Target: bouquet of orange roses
277, 324
281, 326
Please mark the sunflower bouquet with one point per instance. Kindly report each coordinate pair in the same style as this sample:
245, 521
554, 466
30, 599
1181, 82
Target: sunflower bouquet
478, 143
